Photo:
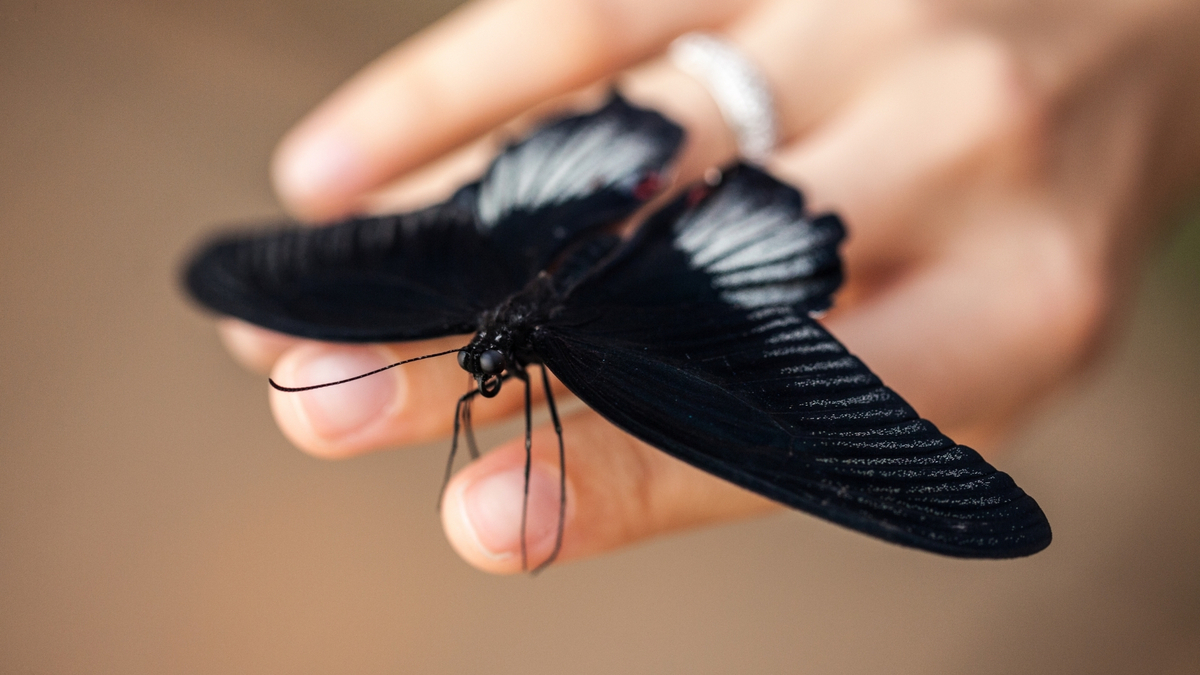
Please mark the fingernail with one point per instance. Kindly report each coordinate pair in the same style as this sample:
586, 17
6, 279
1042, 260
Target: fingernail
334, 412
326, 164
492, 508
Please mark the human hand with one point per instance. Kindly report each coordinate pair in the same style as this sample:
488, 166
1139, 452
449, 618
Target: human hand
997, 169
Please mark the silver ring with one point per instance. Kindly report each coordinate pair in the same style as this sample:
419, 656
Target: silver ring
736, 84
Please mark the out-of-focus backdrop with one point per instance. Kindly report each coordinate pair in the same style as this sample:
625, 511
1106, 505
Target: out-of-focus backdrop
153, 520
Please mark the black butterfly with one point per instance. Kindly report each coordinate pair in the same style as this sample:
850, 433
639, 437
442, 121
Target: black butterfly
694, 334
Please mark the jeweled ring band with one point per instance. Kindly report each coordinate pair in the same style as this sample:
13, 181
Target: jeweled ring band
735, 83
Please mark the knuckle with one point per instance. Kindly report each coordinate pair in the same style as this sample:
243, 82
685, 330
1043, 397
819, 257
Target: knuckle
1017, 110
986, 98
1075, 299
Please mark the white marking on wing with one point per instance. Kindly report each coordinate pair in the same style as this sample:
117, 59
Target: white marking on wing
795, 269
758, 296
802, 334
552, 167
728, 224
758, 254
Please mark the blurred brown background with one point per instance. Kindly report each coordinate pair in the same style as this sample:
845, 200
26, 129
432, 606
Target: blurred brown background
152, 519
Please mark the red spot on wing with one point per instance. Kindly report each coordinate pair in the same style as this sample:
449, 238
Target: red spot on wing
647, 187
697, 194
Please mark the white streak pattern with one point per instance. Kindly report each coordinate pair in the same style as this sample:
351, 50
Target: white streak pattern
551, 168
758, 254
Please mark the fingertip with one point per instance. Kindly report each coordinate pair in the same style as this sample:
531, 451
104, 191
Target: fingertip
464, 537
319, 170
482, 512
340, 420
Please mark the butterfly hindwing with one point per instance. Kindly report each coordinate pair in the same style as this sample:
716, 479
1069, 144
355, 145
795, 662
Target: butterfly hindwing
434, 271
698, 340
751, 239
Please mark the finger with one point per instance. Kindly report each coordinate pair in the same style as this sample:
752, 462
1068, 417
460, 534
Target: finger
977, 335
619, 491
471, 71
407, 404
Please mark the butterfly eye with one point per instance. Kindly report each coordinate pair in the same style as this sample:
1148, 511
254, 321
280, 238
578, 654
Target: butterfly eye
463, 359
491, 362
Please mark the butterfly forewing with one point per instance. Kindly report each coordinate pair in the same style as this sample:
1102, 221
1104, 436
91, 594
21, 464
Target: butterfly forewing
698, 340
433, 272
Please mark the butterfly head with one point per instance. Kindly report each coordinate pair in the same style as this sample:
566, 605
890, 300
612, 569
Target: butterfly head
486, 360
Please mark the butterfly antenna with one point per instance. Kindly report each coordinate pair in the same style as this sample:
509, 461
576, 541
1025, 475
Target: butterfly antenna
562, 475
292, 390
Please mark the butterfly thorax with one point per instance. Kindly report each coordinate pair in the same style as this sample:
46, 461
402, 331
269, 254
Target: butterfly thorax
502, 346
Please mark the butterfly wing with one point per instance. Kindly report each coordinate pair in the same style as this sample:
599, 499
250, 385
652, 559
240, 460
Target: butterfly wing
432, 272
698, 340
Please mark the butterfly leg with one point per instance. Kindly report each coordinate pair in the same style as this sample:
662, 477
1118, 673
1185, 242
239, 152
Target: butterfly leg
562, 475
465, 400
528, 465
469, 430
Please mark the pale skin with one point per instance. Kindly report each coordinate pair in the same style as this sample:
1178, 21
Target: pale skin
1001, 167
